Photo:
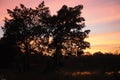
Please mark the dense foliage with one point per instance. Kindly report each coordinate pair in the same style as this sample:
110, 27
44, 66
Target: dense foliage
36, 31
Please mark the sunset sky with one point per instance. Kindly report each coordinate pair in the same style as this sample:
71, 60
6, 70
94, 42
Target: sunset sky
102, 18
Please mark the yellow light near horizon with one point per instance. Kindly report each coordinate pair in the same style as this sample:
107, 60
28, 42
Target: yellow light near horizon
104, 49
108, 42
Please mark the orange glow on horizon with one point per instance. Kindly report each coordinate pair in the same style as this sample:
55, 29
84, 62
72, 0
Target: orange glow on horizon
104, 42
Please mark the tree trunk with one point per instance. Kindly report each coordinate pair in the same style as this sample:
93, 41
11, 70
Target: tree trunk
57, 57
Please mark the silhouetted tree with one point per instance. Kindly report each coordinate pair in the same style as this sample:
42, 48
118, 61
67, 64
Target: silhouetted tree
98, 53
25, 24
36, 30
67, 32
65, 28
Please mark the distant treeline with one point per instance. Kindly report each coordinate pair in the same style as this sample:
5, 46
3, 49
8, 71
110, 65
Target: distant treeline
102, 62
10, 55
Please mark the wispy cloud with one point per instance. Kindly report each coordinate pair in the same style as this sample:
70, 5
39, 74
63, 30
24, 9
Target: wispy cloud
102, 14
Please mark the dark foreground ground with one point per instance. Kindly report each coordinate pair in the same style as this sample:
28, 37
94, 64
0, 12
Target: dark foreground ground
36, 74
102, 67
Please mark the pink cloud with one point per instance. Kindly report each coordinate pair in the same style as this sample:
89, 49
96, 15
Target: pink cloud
102, 14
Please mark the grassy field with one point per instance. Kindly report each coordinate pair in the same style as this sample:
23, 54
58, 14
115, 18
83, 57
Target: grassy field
11, 74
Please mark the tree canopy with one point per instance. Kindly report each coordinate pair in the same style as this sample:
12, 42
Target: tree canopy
37, 31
